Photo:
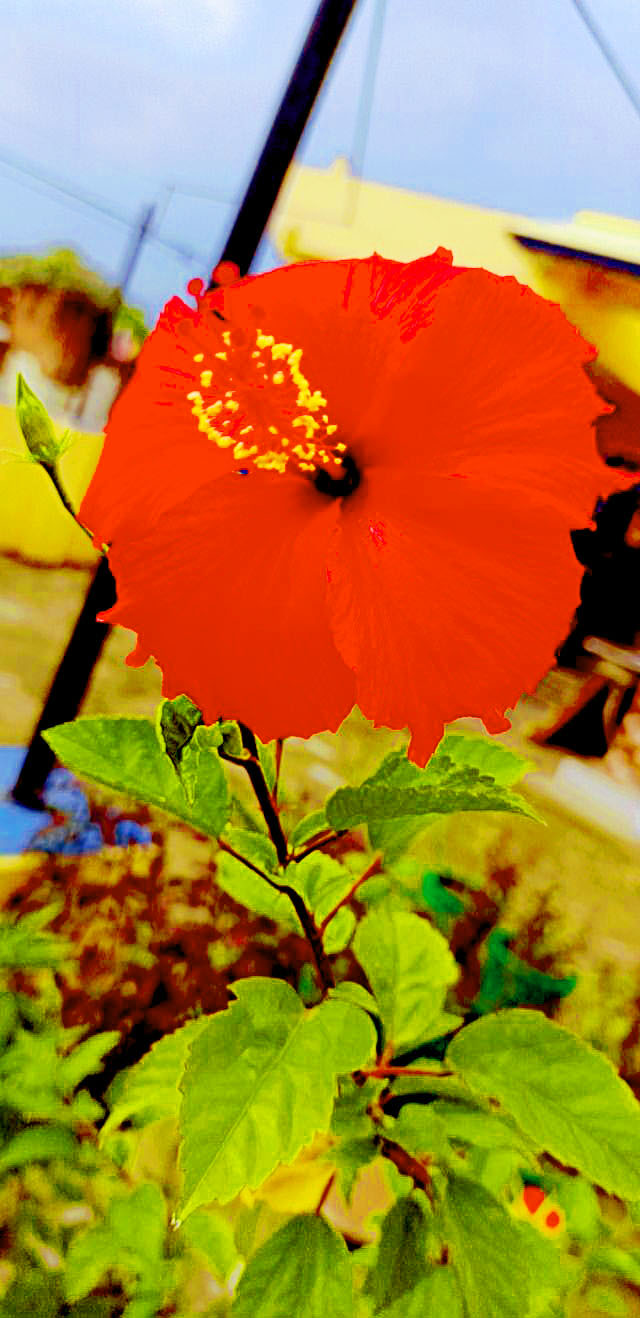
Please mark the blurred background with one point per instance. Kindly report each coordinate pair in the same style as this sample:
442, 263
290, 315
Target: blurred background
506, 131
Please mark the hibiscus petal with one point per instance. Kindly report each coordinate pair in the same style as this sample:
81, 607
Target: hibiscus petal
228, 593
447, 597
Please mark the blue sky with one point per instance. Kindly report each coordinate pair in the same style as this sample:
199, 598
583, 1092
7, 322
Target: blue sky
499, 102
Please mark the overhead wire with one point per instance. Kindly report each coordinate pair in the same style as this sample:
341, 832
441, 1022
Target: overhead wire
365, 104
609, 54
40, 180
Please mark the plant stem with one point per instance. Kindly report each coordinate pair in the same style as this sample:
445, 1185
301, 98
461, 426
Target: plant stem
253, 768
380, 1072
320, 840
373, 868
325, 1192
279, 749
52, 473
408, 1165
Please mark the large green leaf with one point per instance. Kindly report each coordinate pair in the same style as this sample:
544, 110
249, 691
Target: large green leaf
252, 891
211, 1235
302, 1270
402, 1250
150, 1090
322, 881
465, 773
409, 967
487, 1251
125, 754
564, 1095
259, 1082
436, 1296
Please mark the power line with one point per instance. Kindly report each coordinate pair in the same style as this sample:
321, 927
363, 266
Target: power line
607, 51
41, 180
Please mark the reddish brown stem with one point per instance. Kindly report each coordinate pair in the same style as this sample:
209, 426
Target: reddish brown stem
374, 868
320, 840
323, 1197
408, 1165
381, 1072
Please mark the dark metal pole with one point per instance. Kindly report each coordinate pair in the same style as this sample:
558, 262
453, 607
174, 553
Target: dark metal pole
326, 29
74, 674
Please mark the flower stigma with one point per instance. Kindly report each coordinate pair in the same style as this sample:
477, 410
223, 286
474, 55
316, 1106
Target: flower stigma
268, 397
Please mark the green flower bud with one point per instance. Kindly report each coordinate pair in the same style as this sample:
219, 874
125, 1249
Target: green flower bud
36, 426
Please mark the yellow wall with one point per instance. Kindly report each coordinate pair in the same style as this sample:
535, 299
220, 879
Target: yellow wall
33, 522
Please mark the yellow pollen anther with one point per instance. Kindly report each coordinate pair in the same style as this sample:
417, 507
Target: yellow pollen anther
194, 396
199, 357
206, 378
256, 352
226, 338
337, 462
331, 430
242, 451
222, 356
214, 409
284, 441
340, 448
264, 340
306, 466
246, 430
281, 350
232, 405
273, 430
278, 377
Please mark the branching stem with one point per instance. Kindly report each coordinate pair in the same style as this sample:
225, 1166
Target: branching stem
374, 868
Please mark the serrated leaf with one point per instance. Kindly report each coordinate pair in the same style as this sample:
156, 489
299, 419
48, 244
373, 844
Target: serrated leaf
487, 1251
307, 828
465, 1124
250, 890
564, 1095
124, 754
304, 1269
350, 1114
132, 1237
194, 761
455, 779
211, 1235
38, 1144
436, 1296
402, 1250
150, 1090
267, 758
259, 1083
409, 966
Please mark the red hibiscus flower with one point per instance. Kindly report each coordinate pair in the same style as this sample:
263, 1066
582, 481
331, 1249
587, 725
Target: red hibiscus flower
351, 482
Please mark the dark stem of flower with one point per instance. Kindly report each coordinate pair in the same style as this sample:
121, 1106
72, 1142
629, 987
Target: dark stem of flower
408, 1165
338, 486
253, 768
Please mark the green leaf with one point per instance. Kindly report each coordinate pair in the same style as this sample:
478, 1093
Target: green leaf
458, 777
150, 1090
619, 1262
350, 1114
409, 967
465, 1124
176, 722
581, 1207
267, 758
304, 1269
349, 991
307, 828
487, 1251
194, 763
402, 1250
212, 1236
38, 1144
420, 1131
124, 754
87, 1058
436, 1296
250, 890
349, 1156
259, 1083
24, 946
132, 1238
339, 931
255, 847
564, 1095
321, 881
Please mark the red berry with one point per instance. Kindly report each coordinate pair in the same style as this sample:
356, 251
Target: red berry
533, 1196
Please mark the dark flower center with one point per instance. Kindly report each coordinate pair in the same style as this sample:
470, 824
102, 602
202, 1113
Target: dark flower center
344, 482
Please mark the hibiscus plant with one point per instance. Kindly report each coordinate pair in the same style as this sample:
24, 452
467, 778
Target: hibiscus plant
342, 484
